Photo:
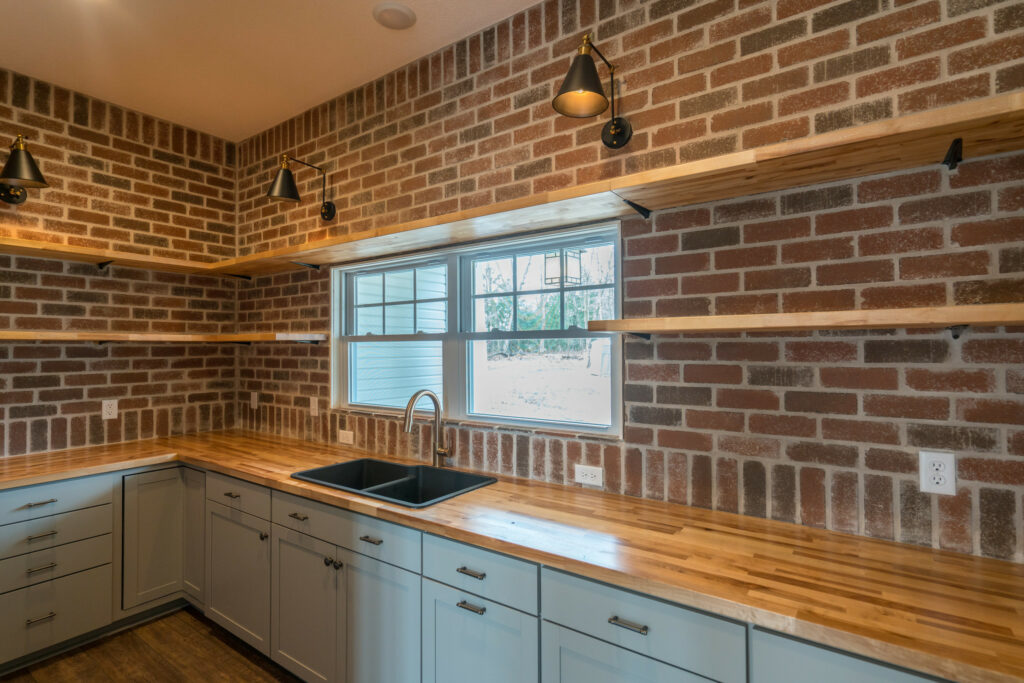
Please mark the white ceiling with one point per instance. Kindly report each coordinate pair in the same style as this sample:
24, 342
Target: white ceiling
232, 68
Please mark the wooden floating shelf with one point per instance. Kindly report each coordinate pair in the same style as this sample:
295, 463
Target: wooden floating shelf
245, 337
988, 126
884, 318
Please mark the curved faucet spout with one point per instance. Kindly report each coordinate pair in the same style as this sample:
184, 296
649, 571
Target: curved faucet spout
440, 448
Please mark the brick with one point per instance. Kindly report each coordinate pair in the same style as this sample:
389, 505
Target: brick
948, 206
747, 351
713, 374
977, 381
773, 85
988, 171
709, 239
844, 506
1009, 18
740, 24
941, 38
778, 278
684, 396
886, 460
747, 399
854, 273
822, 454
744, 210
820, 402
990, 411
704, 284
903, 296
775, 35
897, 186
894, 23
684, 440
906, 351
708, 102
818, 300
754, 489
746, 257
993, 231
1010, 351
948, 437
1010, 78
878, 506
818, 250
655, 416
815, 98
741, 117
900, 241
902, 76
780, 376
812, 497
776, 132
947, 93
820, 351
851, 63
860, 378
944, 265
955, 522
770, 231
717, 420
782, 425
726, 485
860, 113
860, 431
998, 523
806, 201
819, 46
920, 408
988, 291
988, 54
740, 70
991, 471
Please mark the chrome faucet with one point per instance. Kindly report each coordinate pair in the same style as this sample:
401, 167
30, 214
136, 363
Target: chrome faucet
440, 449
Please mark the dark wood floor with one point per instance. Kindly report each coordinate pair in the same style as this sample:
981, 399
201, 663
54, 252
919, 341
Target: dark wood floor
184, 646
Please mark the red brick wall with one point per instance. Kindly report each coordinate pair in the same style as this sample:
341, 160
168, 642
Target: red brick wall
117, 179
818, 428
51, 392
472, 123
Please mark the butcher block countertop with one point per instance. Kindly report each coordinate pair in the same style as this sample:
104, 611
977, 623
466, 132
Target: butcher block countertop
948, 614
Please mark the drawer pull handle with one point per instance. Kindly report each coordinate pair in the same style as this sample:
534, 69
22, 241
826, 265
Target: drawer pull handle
479, 576
371, 539
38, 536
629, 625
232, 494
264, 535
41, 569
299, 516
40, 503
29, 622
472, 608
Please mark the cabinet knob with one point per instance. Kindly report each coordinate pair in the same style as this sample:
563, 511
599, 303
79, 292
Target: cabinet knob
338, 565
328, 561
263, 535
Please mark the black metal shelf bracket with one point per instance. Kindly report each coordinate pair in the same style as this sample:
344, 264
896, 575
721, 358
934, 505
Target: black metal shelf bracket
102, 265
955, 154
308, 341
957, 330
242, 343
642, 210
240, 277
640, 335
311, 266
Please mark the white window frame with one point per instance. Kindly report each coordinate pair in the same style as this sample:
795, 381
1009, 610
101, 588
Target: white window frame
455, 342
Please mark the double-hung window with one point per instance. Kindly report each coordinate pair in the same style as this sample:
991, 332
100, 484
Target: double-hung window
499, 332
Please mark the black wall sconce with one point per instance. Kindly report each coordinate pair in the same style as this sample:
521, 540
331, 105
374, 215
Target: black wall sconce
284, 188
582, 96
20, 172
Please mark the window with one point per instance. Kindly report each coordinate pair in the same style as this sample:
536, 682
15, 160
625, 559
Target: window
498, 332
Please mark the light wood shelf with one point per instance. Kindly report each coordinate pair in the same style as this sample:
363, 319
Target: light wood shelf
244, 337
884, 318
988, 126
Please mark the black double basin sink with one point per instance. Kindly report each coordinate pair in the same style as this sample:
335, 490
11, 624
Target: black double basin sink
415, 486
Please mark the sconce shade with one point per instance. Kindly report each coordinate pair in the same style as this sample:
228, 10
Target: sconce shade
283, 187
581, 94
21, 169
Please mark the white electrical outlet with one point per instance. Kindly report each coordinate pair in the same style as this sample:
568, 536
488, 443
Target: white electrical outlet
314, 407
589, 476
937, 472
345, 438
254, 400
110, 409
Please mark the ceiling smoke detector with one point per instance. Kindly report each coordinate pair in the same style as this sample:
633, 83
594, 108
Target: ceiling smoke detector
394, 15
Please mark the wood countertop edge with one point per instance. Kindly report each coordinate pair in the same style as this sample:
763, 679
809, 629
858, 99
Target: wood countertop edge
163, 451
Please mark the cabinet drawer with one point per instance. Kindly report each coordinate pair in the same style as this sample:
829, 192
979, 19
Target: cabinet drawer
779, 659
485, 573
30, 502
387, 542
706, 645
47, 532
236, 494
43, 565
48, 613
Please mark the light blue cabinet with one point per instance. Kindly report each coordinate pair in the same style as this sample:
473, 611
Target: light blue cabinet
306, 604
467, 639
779, 659
571, 657
382, 621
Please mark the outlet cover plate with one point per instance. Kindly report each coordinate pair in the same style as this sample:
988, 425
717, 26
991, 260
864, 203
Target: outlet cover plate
589, 476
254, 400
345, 438
937, 472
110, 409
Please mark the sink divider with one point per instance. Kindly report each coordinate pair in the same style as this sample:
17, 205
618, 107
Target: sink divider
386, 484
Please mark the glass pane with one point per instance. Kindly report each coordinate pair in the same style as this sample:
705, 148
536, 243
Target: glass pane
388, 373
565, 380
432, 317
432, 282
369, 289
398, 319
398, 285
370, 320
493, 313
530, 272
597, 264
539, 312
591, 304
493, 276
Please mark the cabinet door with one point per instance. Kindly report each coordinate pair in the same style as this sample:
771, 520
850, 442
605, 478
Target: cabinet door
304, 605
152, 536
238, 573
467, 639
382, 621
571, 657
194, 552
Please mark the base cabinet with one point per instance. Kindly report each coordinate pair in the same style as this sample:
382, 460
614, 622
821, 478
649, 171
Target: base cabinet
238, 573
193, 562
468, 639
307, 603
382, 621
571, 657
153, 536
